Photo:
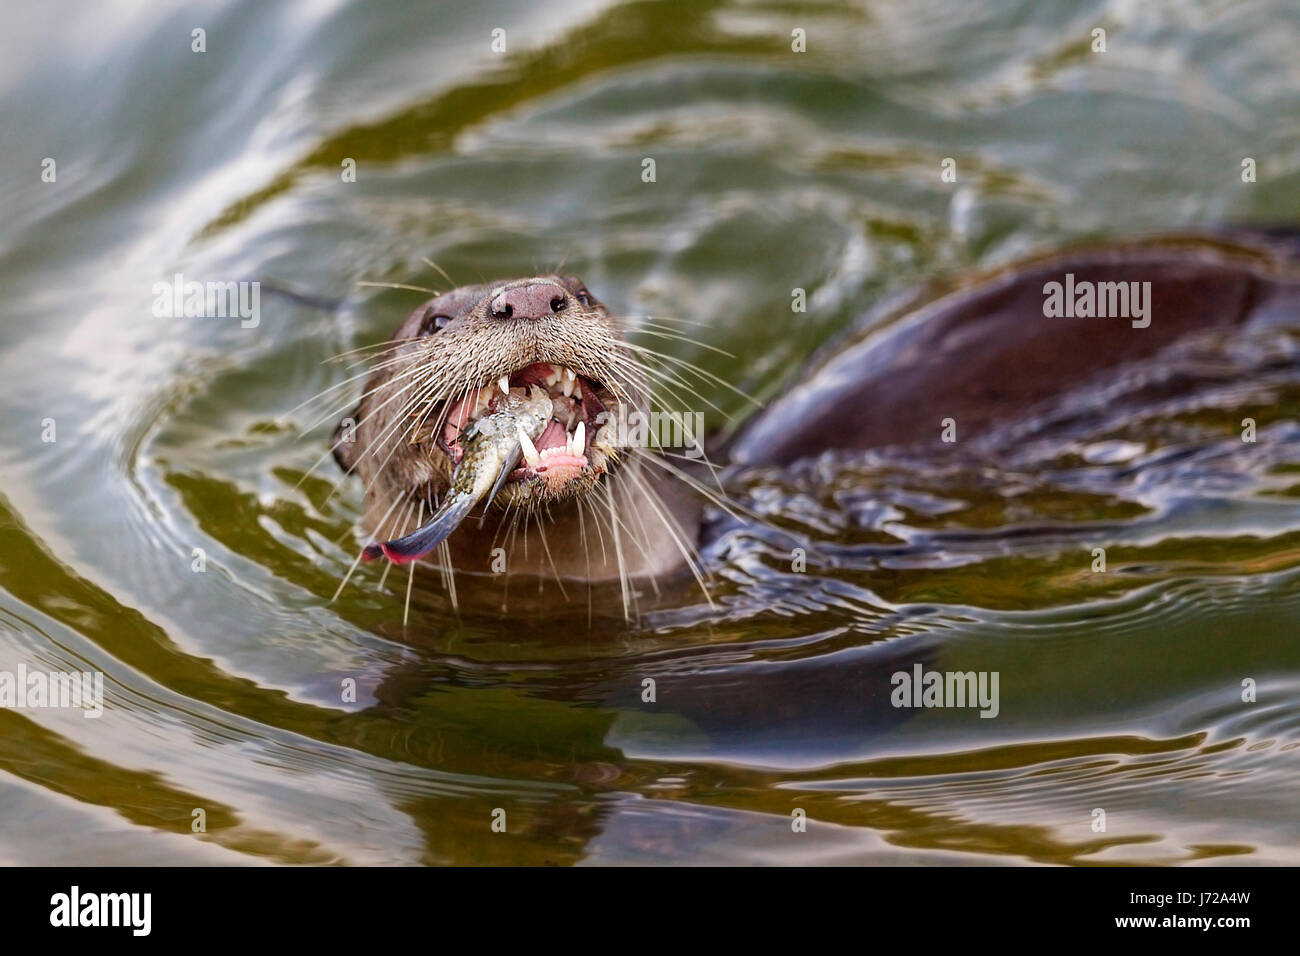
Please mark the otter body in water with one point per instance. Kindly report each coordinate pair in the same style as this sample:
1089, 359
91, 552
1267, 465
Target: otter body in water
584, 505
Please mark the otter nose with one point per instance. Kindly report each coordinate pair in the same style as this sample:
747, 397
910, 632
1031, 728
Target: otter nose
536, 300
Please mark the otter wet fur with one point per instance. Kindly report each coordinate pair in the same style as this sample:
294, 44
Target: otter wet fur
571, 500
575, 503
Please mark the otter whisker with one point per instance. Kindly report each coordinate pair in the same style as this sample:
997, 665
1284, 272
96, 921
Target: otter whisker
449, 575
317, 423
675, 318
723, 503
643, 541
399, 285
377, 363
691, 368
624, 587
423, 391
600, 534
391, 345
438, 269
517, 516
369, 370
357, 560
410, 577
640, 542
512, 513
689, 553
337, 410
403, 523
680, 338
714, 470
669, 379
541, 530
657, 402
586, 552
386, 515
335, 445
346, 577
696, 370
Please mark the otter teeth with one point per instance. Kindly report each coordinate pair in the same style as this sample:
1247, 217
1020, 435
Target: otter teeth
531, 454
578, 440
567, 381
504, 384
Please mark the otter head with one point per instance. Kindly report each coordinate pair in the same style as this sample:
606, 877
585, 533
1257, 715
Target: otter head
454, 360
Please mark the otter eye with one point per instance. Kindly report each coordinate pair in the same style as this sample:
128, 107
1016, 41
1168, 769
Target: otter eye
433, 323
584, 297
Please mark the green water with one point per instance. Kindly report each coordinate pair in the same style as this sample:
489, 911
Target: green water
775, 170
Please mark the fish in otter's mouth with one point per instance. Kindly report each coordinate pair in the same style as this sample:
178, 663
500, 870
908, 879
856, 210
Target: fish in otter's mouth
580, 408
517, 430
503, 394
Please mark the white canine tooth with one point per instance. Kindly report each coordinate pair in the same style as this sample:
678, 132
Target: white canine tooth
530, 450
578, 441
577, 390
504, 383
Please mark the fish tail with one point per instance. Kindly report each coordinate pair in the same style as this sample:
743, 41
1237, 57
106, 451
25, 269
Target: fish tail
420, 542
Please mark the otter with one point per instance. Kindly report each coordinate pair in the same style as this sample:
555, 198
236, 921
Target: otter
584, 505
581, 504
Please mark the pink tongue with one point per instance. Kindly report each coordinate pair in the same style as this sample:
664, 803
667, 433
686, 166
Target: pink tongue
457, 415
553, 436
558, 468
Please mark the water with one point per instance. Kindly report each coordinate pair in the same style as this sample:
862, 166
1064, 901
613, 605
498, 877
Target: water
1119, 692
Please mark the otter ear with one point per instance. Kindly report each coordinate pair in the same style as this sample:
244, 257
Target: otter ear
344, 441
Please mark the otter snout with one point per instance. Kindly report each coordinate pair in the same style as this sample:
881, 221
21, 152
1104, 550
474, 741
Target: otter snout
533, 300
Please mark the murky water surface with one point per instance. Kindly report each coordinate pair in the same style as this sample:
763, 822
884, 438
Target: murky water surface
1118, 691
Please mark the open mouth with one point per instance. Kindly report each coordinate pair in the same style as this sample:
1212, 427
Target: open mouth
483, 456
562, 451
